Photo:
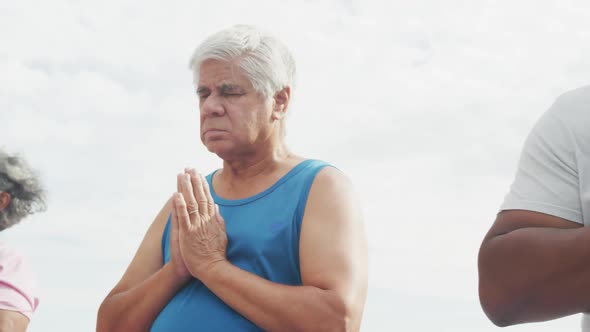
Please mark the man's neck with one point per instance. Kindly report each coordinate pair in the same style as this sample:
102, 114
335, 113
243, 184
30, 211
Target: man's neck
262, 162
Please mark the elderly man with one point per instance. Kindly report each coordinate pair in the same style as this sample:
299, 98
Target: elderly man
533, 263
271, 241
20, 195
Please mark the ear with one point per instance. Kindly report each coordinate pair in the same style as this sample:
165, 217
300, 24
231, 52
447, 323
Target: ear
281, 103
5, 199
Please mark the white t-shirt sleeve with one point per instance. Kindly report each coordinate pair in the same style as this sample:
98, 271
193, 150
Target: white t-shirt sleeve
547, 179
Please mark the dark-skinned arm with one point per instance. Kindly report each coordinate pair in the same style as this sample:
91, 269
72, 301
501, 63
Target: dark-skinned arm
534, 267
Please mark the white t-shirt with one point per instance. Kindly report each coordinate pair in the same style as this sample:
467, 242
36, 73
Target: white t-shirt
553, 174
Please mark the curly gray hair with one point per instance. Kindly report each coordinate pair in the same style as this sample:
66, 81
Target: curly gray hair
24, 187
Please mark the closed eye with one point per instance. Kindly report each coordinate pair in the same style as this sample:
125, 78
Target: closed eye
235, 94
202, 98
203, 93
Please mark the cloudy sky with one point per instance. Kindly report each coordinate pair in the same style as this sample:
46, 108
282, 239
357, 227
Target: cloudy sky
424, 104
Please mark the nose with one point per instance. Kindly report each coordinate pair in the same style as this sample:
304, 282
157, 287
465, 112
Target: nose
212, 106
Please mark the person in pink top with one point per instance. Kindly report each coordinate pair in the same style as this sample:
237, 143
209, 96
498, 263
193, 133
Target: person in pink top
20, 195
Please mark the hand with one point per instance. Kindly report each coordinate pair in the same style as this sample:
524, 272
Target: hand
175, 257
202, 236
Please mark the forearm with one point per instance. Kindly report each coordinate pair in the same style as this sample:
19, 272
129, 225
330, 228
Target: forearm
535, 274
277, 307
136, 309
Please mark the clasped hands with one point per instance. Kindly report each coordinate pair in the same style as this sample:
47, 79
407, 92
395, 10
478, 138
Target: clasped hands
198, 240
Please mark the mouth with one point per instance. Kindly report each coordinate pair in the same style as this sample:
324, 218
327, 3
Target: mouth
213, 132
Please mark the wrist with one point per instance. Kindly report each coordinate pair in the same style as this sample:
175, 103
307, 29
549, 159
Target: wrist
178, 280
215, 270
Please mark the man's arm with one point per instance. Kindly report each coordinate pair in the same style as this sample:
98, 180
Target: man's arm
145, 288
13, 321
534, 267
333, 261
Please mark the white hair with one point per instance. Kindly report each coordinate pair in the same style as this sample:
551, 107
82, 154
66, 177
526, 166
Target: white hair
24, 187
265, 60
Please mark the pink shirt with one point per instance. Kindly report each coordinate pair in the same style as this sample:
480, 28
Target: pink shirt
18, 291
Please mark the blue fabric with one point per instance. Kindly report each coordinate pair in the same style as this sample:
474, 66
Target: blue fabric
263, 238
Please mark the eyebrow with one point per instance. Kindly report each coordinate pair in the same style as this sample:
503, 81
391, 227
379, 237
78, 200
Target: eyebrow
201, 90
230, 87
224, 88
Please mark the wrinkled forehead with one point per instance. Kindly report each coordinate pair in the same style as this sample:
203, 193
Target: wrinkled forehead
213, 73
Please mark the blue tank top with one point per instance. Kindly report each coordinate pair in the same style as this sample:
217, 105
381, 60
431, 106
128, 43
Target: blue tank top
263, 238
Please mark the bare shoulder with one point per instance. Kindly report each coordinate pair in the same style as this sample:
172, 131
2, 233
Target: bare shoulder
331, 180
332, 203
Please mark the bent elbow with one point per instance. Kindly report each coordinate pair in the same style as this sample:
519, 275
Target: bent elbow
333, 323
337, 319
498, 303
341, 320
497, 317
500, 309
337, 323
500, 319
109, 319
101, 320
